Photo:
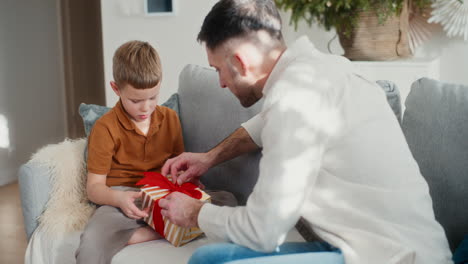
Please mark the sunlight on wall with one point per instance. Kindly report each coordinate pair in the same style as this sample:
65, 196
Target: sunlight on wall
4, 136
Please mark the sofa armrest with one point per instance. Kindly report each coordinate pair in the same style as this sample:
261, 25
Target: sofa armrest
34, 187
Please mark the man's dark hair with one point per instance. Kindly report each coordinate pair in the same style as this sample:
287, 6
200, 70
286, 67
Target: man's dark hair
234, 18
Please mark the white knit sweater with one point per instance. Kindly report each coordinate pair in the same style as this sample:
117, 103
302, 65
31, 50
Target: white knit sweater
333, 152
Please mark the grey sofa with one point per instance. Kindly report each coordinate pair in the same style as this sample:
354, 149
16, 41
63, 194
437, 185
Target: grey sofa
433, 124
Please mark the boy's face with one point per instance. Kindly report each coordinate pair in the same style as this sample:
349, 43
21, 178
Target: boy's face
138, 103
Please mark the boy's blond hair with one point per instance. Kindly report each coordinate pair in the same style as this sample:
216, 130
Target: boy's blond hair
137, 63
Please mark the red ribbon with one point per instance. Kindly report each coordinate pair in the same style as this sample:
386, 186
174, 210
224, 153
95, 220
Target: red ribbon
153, 179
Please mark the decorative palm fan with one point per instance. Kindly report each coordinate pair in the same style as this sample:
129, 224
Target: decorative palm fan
419, 29
452, 15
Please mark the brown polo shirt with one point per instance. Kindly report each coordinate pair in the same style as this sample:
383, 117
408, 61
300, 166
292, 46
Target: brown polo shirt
118, 149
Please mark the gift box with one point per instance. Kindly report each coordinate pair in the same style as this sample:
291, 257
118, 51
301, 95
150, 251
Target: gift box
156, 187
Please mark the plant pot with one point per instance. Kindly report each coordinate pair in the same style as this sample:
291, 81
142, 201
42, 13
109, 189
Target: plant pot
371, 40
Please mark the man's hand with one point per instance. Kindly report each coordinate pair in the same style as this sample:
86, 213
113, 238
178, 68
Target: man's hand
181, 209
191, 166
187, 167
126, 201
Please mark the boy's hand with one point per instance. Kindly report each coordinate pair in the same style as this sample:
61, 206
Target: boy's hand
187, 167
128, 207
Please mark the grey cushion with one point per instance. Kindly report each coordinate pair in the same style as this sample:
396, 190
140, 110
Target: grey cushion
209, 114
90, 114
435, 124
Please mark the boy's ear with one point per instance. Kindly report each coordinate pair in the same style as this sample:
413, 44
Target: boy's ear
115, 87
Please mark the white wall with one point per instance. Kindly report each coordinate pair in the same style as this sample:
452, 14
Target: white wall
453, 53
31, 84
175, 39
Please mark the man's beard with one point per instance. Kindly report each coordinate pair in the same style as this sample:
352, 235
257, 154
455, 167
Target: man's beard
248, 100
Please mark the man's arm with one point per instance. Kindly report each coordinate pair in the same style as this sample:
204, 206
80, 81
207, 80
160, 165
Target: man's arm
196, 164
184, 210
236, 144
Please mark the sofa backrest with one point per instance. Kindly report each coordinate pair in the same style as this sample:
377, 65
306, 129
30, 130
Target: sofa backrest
208, 115
435, 124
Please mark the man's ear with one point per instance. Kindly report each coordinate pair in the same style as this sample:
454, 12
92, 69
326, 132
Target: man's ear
241, 62
115, 87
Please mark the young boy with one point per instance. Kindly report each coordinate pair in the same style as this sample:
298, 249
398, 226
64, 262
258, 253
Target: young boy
136, 136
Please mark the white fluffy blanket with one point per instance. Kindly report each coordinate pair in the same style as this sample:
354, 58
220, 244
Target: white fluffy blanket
68, 208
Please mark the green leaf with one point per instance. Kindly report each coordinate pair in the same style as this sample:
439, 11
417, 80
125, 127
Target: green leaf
342, 13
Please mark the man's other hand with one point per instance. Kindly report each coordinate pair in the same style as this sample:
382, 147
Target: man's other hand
181, 209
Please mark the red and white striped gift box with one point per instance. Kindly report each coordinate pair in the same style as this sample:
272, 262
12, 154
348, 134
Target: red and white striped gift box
175, 234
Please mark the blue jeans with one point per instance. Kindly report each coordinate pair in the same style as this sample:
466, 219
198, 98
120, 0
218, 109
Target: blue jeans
461, 254
290, 252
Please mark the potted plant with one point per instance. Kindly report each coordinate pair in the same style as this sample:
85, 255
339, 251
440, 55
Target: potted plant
367, 29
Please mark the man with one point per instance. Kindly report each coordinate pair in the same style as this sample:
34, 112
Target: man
333, 153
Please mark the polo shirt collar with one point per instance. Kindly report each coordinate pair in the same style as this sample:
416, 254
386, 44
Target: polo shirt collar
156, 118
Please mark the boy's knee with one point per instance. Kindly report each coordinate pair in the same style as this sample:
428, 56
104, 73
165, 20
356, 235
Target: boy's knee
87, 247
90, 241
95, 248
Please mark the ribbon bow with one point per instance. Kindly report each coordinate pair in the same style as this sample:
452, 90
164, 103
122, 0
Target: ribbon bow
153, 179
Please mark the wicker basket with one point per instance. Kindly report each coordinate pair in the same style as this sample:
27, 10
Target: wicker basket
373, 41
